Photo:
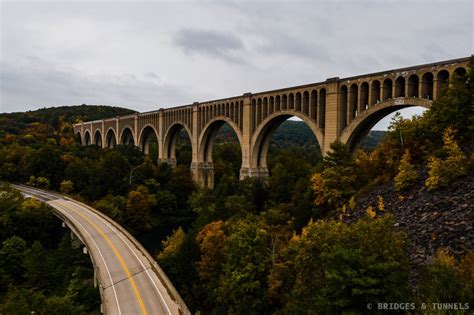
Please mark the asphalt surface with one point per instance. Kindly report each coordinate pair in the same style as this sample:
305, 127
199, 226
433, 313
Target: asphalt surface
131, 281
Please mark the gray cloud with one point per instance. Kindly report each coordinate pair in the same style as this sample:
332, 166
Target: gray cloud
207, 42
160, 54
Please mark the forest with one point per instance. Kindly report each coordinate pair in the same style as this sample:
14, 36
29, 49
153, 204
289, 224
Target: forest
290, 245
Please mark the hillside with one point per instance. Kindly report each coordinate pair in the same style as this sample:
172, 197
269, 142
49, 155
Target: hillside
13, 123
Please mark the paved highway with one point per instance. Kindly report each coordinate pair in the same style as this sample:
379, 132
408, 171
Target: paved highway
131, 281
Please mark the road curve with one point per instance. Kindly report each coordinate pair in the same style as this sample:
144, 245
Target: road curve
131, 281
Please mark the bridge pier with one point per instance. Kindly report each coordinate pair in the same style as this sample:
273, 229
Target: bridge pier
203, 173
259, 172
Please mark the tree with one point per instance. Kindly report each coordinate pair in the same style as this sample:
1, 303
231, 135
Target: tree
67, 186
11, 258
407, 173
247, 261
442, 172
137, 214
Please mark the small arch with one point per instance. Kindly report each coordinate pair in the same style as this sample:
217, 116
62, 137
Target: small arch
259, 110
98, 138
284, 102
265, 107
353, 93
291, 99
364, 96
322, 108
387, 89
375, 92
427, 86
400, 87
298, 101
343, 93
413, 84
314, 104
442, 82
306, 103
87, 138
110, 138
277, 103
272, 105
126, 137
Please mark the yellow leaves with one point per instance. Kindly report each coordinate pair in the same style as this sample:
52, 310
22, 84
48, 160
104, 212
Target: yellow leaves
401, 197
380, 203
370, 212
352, 203
442, 172
443, 258
407, 173
172, 243
318, 186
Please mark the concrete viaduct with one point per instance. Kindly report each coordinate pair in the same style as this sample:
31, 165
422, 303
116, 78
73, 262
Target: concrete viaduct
342, 109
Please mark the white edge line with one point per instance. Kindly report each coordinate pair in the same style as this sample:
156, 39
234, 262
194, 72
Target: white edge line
126, 243
100, 253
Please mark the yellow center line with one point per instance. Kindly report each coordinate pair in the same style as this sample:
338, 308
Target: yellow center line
122, 262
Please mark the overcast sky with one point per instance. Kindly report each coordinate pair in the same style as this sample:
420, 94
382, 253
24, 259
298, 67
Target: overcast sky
147, 55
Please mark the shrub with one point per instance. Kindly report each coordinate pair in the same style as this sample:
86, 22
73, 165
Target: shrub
407, 173
67, 186
442, 172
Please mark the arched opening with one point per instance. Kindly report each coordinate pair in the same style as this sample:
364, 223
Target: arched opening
314, 104
149, 143
286, 150
306, 103
364, 97
277, 103
387, 89
460, 72
322, 108
442, 82
413, 83
284, 102
353, 102
177, 147
221, 152
87, 138
343, 107
375, 92
291, 98
427, 86
298, 102
259, 110
110, 139
370, 131
127, 137
400, 87
78, 137
97, 138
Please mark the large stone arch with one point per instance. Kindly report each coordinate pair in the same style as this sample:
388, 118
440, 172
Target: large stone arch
78, 137
97, 137
356, 131
127, 136
144, 138
208, 134
262, 136
169, 141
204, 171
110, 138
87, 138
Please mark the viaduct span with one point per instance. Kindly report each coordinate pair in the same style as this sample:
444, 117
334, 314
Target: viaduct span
342, 109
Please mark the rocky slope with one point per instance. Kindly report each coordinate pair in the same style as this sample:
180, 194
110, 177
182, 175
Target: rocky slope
433, 220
